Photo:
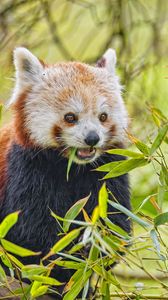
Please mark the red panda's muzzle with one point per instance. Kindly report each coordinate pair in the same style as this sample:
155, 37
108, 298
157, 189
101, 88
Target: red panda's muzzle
85, 153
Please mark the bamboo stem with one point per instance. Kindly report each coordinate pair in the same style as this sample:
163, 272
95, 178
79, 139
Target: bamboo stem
134, 296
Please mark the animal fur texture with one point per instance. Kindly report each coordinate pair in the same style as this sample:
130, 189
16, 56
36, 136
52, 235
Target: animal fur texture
57, 108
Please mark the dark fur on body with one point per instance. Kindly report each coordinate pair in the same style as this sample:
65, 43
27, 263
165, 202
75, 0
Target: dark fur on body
37, 182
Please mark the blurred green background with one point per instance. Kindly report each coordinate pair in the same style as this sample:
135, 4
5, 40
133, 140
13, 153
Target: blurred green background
83, 30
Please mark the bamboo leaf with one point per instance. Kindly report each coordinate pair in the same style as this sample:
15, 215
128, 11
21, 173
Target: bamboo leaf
70, 161
15, 261
6, 261
46, 280
94, 253
76, 248
156, 243
166, 139
103, 243
69, 221
157, 112
114, 246
85, 290
71, 257
86, 234
126, 166
15, 249
69, 264
108, 167
2, 274
139, 144
31, 270
73, 212
78, 274
165, 174
35, 286
104, 274
161, 194
158, 140
8, 223
78, 286
129, 214
86, 217
105, 290
116, 229
102, 200
40, 291
161, 219
156, 120
95, 215
125, 152
65, 241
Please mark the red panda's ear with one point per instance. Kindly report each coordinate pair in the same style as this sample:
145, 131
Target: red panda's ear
29, 71
108, 60
28, 67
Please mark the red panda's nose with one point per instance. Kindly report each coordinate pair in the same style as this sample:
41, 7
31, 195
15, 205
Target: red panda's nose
92, 138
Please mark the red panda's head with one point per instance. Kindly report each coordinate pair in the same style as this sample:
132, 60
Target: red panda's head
68, 105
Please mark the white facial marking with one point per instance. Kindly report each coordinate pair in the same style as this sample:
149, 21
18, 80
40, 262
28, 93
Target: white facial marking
76, 105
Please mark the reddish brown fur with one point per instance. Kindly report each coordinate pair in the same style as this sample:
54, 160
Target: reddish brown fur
84, 75
21, 132
14, 131
68, 124
113, 130
65, 94
6, 137
42, 62
56, 132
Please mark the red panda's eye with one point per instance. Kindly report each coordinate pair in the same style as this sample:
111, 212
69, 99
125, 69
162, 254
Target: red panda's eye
103, 117
70, 118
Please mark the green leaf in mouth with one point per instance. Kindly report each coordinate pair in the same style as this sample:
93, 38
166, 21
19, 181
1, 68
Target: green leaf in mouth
70, 161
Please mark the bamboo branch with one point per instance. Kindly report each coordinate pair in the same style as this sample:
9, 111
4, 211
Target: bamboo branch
134, 296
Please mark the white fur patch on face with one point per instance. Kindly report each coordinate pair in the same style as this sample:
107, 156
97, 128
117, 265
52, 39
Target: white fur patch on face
75, 104
40, 121
102, 105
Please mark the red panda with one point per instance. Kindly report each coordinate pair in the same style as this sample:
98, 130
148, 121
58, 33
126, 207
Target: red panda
56, 108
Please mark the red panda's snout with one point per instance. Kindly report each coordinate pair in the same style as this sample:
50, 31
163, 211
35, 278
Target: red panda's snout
68, 106
89, 136
92, 138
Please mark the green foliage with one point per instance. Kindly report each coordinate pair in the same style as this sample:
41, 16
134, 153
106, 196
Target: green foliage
15, 249
73, 212
65, 241
7, 223
102, 200
70, 160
